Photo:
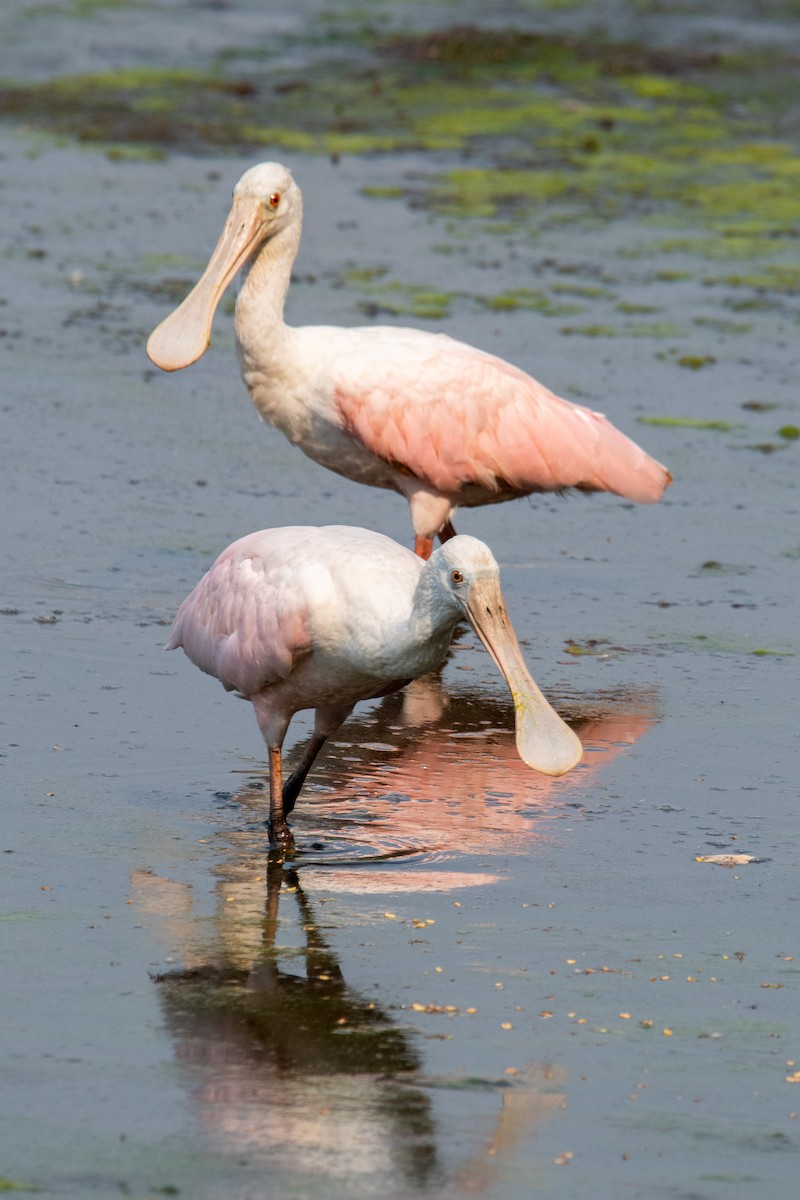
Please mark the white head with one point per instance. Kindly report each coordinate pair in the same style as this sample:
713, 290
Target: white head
460, 564
270, 187
266, 202
467, 574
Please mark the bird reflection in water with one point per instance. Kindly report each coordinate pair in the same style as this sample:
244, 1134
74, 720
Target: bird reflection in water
290, 1069
436, 769
283, 1057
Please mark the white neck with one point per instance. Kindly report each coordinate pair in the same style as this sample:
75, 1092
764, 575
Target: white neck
265, 282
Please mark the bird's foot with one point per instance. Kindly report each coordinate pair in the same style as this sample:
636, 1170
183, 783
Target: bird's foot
281, 839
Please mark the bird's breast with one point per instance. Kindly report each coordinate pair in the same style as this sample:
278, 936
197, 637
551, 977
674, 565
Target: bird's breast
306, 415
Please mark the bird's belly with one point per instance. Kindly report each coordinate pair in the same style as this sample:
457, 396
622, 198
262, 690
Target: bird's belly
336, 679
331, 448
318, 434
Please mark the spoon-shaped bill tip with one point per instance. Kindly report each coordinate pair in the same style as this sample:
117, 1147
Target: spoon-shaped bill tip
183, 336
544, 741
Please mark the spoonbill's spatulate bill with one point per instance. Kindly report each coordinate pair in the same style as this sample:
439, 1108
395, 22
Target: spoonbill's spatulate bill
305, 617
438, 421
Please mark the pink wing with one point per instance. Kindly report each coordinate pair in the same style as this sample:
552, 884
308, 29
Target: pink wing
454, 416
245, 622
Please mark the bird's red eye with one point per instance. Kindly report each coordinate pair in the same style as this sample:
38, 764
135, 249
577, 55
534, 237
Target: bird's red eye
274, 200
456, 577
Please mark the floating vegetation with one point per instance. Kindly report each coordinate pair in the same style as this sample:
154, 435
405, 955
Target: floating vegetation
695, 362
655, 329
717, 645
533, 301
771, 278
720, 568
585, 126
721, 325
404, 299
631, 309
585, 290
592, 647
759, 405
689, 423
589, 331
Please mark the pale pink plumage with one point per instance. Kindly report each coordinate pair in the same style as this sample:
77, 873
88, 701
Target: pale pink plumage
437, 420
303, 617
466, 422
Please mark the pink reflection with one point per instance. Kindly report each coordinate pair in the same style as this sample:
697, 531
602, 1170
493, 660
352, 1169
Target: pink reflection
464, 790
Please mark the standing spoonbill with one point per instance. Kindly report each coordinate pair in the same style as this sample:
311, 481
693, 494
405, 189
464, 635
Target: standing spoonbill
305, 617
438, 421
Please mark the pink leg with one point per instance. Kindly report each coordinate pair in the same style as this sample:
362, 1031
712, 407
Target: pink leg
423, 546
279, 832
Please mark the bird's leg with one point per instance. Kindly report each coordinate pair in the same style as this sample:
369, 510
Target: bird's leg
279, 832
423, 546
446, 532
327, 720
293, 785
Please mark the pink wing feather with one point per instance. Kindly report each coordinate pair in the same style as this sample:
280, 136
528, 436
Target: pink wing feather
245, 622
454, 416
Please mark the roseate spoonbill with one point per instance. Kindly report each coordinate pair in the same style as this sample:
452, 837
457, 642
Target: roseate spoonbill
437, 420
305, 617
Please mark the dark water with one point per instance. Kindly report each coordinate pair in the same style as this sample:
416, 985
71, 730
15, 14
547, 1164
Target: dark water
473, 980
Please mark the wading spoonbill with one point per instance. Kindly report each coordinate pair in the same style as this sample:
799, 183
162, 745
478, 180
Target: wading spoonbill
304, 617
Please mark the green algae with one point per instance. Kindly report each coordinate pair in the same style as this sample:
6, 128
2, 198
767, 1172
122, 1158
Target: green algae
721, 325
530, 300
384, 193
640, 329
689, 423
400, 299
655, 329
784, 278
592, 648
567, 128
145, 107
717, 645
591, 331
584, 290
630, 309
695, 362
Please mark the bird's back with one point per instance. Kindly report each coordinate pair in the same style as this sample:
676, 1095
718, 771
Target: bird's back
458, 417
274, 597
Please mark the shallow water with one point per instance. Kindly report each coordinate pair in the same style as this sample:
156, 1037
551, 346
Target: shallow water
472, 980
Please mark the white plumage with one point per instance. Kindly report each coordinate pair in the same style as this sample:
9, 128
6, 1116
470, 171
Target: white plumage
305, 617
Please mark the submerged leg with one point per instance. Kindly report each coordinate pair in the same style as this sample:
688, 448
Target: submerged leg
446, 532
273, 725
279, 832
